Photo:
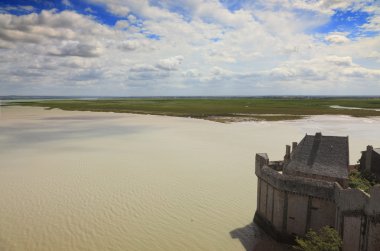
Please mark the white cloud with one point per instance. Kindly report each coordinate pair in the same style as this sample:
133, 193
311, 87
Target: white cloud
148, 75
122, 24
373, 24
221, 56
18, 8
143, 68
330, 69
191, 73
336, 39
75, 48
89, 10
130, 45
202, 46
362, 73
132, 19
67, 3
142, 7
341, 61
326, 7
37, 28
170, 64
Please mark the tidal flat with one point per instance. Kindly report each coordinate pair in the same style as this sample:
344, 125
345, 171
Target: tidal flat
79, 180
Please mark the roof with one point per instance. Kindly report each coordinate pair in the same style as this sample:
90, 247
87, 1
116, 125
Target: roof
377, 150
321, 155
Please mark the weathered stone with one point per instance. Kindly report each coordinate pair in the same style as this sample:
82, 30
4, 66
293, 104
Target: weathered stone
291, 200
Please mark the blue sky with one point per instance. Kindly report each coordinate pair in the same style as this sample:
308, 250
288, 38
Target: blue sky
189, 47
347, 21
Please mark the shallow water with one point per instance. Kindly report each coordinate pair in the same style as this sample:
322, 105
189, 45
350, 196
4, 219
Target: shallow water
106, 181
352, 108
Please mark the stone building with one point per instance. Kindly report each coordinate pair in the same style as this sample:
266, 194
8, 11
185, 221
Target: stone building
370, 161
309, 189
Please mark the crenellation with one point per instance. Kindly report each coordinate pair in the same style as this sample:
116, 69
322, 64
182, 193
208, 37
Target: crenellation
317, 188
291, 201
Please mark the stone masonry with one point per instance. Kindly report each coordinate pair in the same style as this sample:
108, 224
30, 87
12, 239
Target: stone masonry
309, 190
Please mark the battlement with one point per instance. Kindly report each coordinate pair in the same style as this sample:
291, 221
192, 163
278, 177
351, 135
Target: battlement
290, 203
273, 175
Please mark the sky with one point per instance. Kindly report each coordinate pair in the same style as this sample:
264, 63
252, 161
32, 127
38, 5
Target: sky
189, 47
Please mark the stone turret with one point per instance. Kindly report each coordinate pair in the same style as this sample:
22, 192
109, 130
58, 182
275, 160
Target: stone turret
311, 191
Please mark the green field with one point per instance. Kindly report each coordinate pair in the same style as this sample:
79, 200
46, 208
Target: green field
220, 109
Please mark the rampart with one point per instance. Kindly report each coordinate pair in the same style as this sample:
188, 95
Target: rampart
288, 205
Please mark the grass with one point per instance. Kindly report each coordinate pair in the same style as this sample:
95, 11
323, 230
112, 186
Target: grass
362, 180
219, 109
326, 239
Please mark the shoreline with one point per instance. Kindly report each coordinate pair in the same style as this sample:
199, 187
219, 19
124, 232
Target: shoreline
219, 119
218, 110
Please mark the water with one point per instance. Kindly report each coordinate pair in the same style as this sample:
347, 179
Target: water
352, 108
106, 181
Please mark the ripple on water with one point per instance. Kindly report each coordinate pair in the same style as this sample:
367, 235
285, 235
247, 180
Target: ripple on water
97, 181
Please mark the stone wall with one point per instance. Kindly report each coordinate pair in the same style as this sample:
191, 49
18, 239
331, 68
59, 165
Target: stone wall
292, 205
358, 219
288, 206
297, 214
323, 213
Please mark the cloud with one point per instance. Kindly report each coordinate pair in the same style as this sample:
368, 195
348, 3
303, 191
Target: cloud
202, 45
87, 75
18, 8
75, 48
5, 44
170, 64
129, 45
89, 10
142, 7
191, 73
340, 61
37, 28
122, 24
325, 7
336, 39
142, 68
362, 73
67, 3
374, 23
282, 73
329, 68
222, 56
148, 75
215, 11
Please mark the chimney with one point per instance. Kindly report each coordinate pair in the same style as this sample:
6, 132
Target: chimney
368, 158
294, 145
318, 136
287, 155
287, 150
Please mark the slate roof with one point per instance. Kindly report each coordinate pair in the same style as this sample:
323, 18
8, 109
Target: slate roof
377, 150
321, 155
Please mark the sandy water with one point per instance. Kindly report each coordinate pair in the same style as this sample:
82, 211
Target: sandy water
106, 181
